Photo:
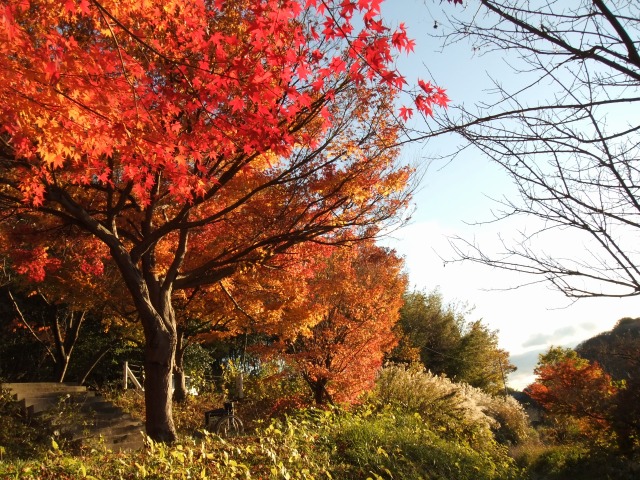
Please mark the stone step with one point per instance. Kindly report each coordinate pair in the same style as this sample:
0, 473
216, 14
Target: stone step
70, 397
101, 420
44, 387
131, 439
113, 420
123, 430
101, 407
32, 407
114, 427
95, 420
128, 445
44, 402
134, 436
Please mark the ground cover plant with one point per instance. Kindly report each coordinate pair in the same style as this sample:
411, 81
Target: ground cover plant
308, 444
372, 440
412, 425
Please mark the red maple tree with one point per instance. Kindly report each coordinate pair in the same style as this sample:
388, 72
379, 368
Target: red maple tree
194, 139
574, 387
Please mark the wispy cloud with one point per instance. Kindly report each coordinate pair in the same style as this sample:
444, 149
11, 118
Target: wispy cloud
558, 336
567, 334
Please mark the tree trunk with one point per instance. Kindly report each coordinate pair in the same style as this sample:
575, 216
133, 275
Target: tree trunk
319, 388
159, 323
158, 367
318, 393
153, 303
179, 381
60, 368
151, 296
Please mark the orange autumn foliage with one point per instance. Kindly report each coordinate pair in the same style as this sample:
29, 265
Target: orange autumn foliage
354, 298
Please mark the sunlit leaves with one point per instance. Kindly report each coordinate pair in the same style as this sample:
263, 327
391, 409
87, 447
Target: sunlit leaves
111, 77
353, 297
35, 262
571, 386
197, 141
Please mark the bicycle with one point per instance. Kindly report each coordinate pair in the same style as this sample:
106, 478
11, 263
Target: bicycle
223, 421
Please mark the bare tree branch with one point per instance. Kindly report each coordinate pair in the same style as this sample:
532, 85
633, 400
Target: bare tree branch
568, 139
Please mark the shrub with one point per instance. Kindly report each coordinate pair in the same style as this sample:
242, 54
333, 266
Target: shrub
390, 444
272, 391
459, 410
197, 364
310, 444
570, 462
435, 398
275, 453
511, 425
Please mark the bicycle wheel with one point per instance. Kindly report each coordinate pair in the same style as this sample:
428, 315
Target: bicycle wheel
229, 426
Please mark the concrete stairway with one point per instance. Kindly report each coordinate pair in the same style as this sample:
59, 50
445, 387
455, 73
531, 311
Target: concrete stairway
86, 419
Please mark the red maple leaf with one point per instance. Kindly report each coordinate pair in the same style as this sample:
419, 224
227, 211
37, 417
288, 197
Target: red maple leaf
406, 113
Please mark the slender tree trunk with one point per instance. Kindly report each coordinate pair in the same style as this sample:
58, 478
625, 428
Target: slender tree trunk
100, 355
61, 368
179, 382
61, 357
66, 326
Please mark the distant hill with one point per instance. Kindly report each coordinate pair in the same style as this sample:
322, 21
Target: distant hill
617, 351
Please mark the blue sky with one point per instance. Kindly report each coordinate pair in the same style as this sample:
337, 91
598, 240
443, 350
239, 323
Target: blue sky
453, 196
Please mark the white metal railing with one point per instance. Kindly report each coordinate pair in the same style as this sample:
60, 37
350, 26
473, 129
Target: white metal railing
131, 372
129, 375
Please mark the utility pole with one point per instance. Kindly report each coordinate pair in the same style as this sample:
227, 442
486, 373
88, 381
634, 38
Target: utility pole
504, 379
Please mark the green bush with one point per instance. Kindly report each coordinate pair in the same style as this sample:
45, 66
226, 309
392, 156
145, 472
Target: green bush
275, 454
571, 462
428, 429
271, 392
396, 445
197, 364
311, 444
